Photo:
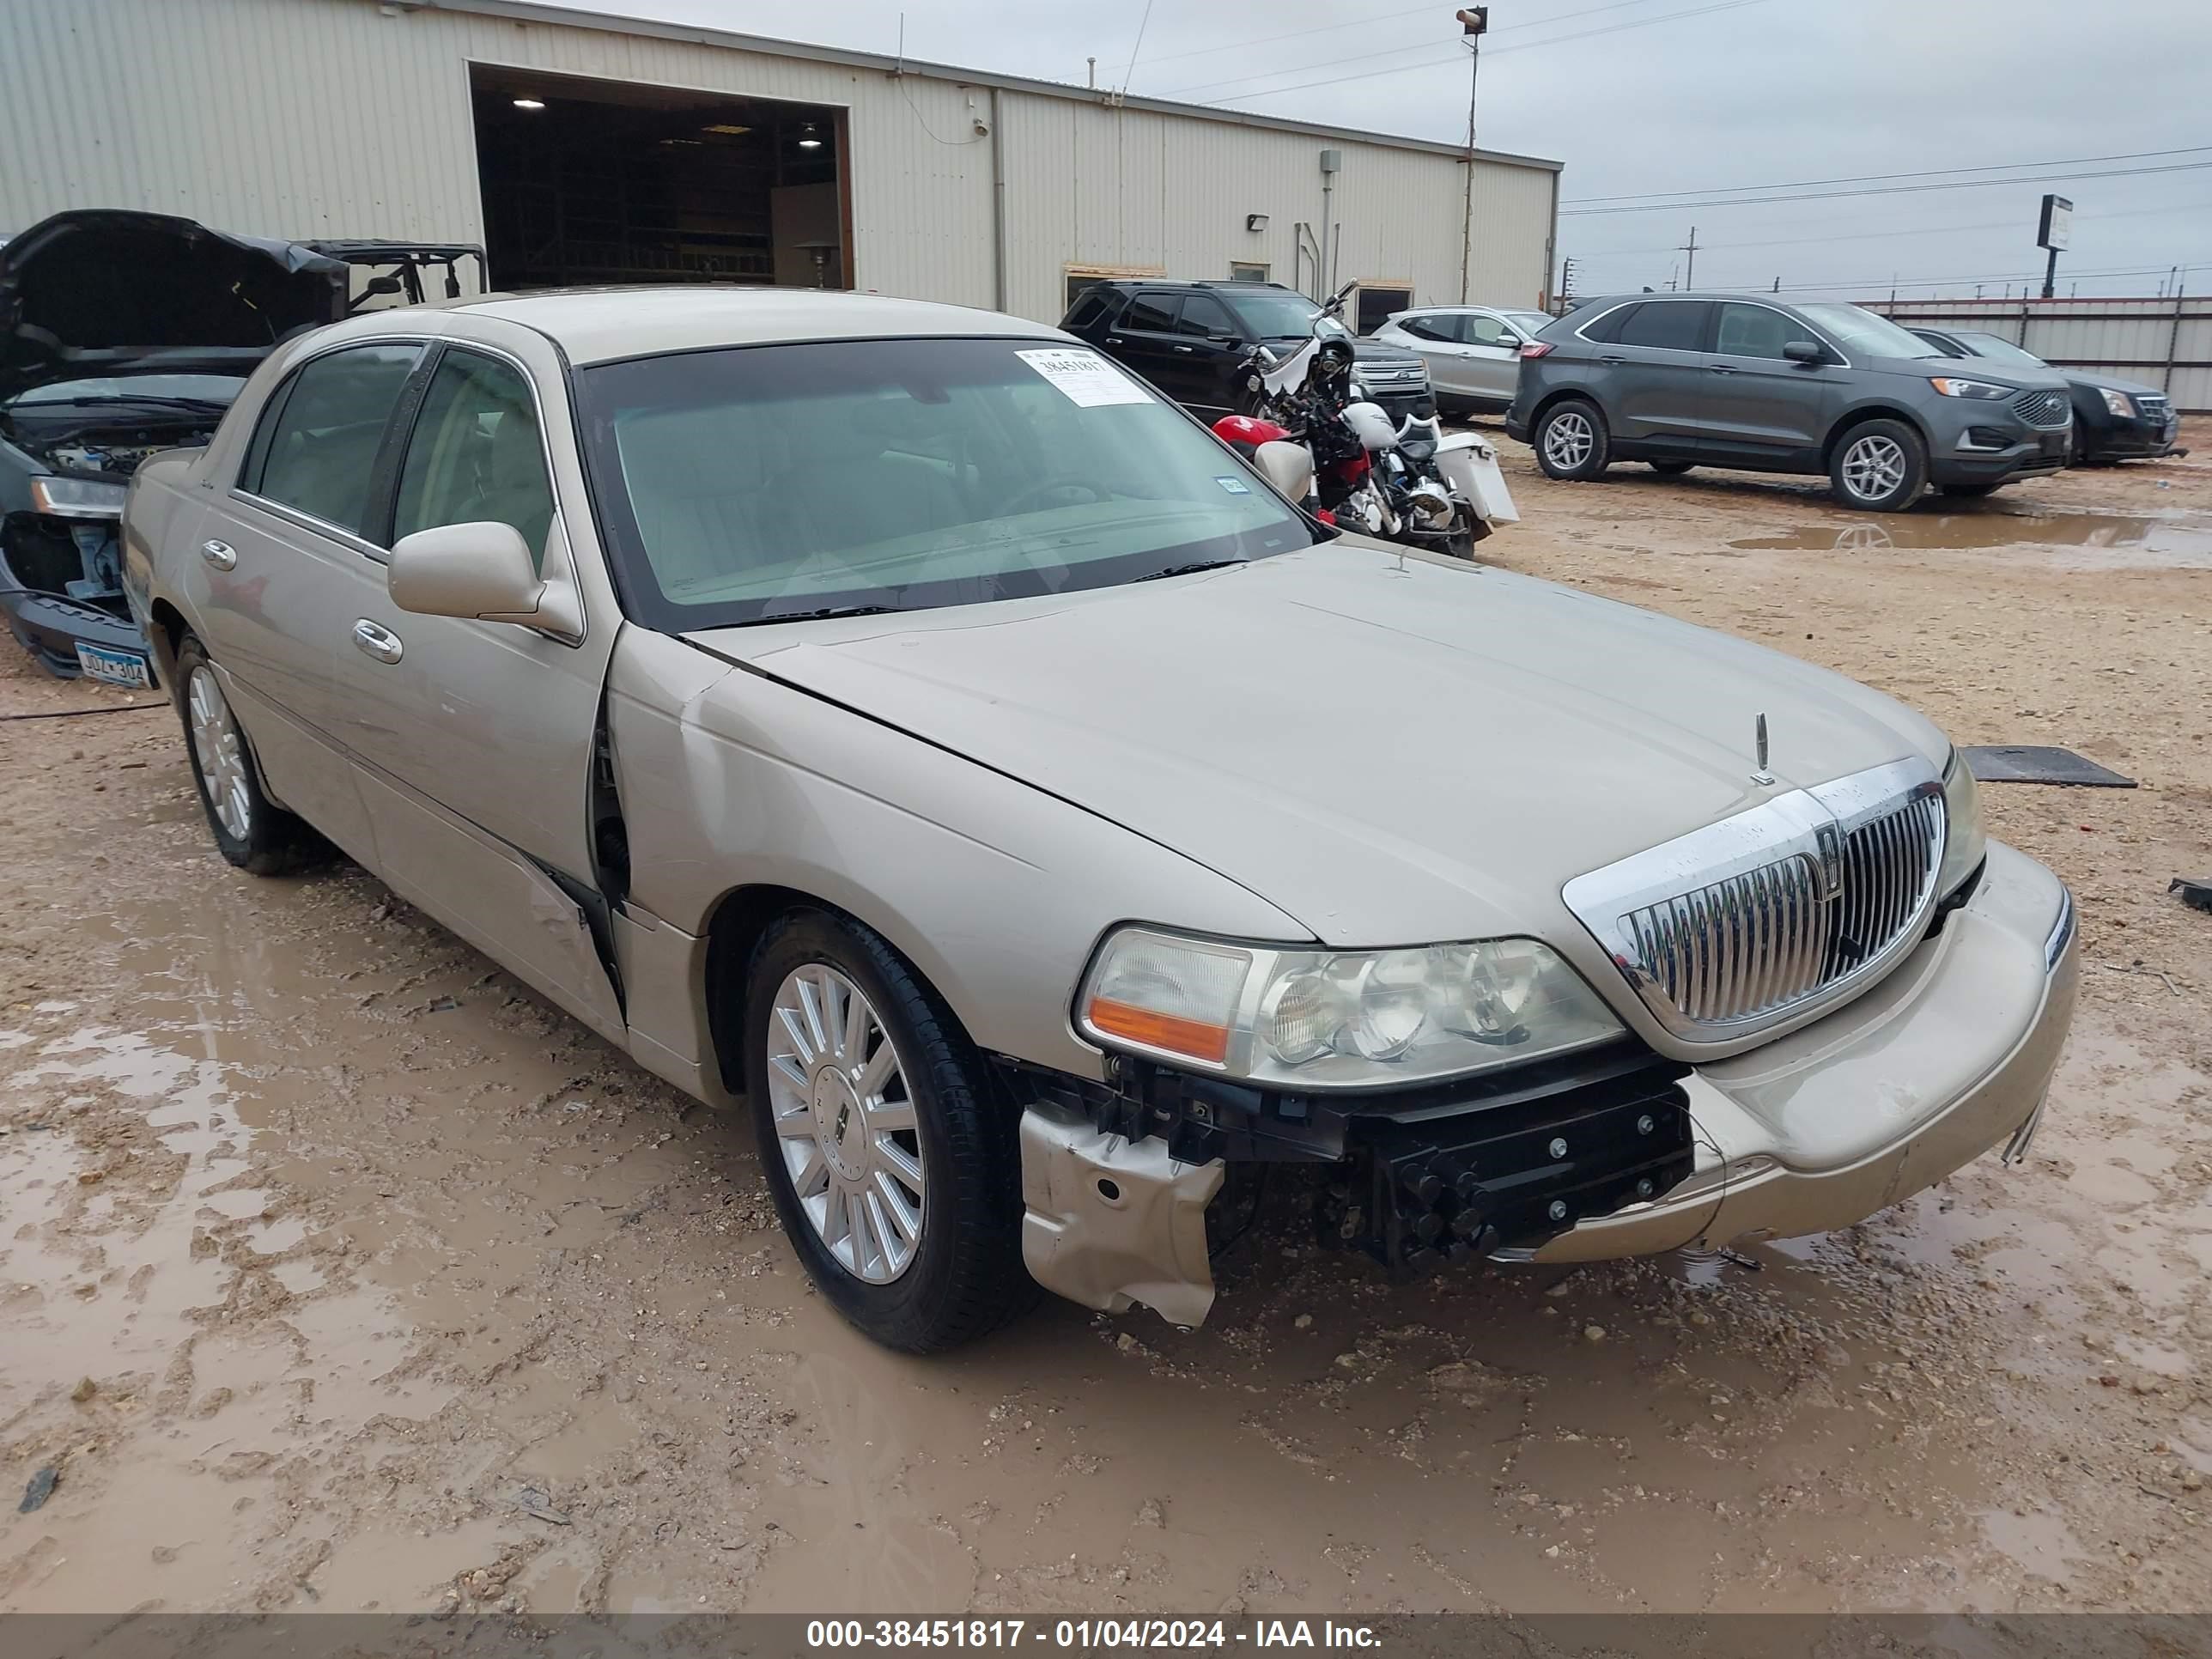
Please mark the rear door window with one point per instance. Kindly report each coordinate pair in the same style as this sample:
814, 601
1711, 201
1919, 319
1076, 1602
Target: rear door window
1442, 330
1091, 308
476, 455
316, 449
1667, 325
1151, 313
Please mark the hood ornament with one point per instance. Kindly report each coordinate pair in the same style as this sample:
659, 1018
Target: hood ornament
1762, 775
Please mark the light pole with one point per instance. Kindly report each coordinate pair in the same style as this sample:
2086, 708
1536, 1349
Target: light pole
1473, 21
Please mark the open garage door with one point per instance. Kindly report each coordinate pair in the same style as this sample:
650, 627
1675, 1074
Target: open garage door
607, 181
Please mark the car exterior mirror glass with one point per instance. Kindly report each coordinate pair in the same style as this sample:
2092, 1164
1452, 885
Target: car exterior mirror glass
481, 571
1803, 351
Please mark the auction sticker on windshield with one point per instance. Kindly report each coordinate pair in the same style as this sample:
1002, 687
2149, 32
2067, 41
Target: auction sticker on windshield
1085, 377
114, 667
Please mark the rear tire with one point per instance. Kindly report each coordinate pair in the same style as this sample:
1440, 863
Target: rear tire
1571, 441
248, 830
1670, 469
893, 1160
1879, 467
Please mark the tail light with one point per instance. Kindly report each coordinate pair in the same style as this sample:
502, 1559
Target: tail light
1537, 349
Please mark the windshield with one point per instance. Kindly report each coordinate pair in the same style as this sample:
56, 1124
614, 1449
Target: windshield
1857, 329
1999, 351
753, 484
116, 388
1277, 316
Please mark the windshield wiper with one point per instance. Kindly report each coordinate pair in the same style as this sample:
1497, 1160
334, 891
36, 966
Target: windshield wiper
822, 615
1191, 569
148, 399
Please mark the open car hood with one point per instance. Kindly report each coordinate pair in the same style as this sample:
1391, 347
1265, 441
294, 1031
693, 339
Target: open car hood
98, 289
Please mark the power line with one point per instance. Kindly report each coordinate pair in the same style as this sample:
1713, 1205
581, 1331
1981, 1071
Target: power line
1880, 178
1434, 63
1889, 189
1369, 22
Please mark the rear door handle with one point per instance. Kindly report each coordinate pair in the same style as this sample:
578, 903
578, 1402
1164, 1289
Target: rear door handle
1613, 360
377, 641
1113, 339
1722, 369
220, 555
1186, 348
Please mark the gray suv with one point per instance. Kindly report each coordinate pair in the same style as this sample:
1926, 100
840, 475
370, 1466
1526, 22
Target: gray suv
1684, 379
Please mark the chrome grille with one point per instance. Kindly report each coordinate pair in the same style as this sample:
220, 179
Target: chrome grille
1787, 904
2152, 409
2044, 409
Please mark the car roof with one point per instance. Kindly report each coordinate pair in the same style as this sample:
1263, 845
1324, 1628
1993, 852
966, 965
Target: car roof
1232, 285
594, 325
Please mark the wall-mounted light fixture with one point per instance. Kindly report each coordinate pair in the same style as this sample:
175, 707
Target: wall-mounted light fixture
807, 138
1255, 221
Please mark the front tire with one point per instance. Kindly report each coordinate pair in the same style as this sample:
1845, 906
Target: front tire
248, 830
1879, 467
1571, 441
892, 1160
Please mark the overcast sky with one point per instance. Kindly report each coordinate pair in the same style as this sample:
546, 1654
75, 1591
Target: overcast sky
1644, 96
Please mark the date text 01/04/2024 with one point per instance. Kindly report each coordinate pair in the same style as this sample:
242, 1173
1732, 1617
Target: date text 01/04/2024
897, 1635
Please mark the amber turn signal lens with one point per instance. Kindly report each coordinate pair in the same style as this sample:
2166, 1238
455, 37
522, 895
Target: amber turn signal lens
1177, 1035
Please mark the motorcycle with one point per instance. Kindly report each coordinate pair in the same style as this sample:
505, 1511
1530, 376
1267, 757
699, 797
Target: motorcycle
1408, 482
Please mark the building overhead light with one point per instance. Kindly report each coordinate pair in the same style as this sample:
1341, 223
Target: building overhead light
530, 103
727, 131
1255, 221
807, 140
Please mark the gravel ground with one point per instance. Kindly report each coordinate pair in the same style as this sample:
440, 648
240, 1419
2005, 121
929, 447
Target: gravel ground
338, 1273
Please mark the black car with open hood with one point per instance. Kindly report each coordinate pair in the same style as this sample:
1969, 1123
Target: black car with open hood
121, 334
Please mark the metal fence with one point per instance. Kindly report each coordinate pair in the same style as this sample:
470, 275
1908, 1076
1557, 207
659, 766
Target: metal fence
2164, 342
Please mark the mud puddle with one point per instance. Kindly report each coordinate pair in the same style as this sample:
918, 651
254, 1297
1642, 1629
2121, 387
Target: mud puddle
2065, 541
396, 1290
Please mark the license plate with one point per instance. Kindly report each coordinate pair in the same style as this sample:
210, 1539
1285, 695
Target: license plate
2056, 443
113, 667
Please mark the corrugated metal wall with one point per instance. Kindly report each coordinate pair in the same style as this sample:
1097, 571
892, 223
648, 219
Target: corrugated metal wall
2164, 342
308, 117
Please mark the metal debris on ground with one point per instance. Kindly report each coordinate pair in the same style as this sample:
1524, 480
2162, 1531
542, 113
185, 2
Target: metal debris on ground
2027, 764
2196, 894
40, 1488
537, 1505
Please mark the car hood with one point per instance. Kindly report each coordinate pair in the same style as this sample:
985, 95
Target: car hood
2112, 383
2019, 378
99, 289
1390, 749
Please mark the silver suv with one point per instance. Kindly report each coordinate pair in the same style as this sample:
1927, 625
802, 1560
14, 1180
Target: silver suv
1683, 379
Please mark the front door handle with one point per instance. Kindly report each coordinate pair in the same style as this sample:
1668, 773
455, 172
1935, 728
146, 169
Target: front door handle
378, 641
1186, 348
1113, 339
1722, 369
220, 555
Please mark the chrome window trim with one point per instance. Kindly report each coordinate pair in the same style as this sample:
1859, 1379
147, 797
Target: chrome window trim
1807, 822
1633, 300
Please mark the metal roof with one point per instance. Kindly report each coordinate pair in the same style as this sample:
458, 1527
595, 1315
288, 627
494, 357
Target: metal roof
526, 11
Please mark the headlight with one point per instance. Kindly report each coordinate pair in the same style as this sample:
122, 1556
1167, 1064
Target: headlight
2119, 401
1318, 1018
1980, 391
78, 498
1964, 842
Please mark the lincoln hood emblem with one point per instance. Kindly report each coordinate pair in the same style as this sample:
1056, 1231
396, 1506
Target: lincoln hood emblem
1758, 743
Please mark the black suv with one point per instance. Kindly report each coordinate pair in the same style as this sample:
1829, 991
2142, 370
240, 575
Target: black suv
1186, 339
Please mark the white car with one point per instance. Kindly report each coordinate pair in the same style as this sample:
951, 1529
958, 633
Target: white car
1473, 352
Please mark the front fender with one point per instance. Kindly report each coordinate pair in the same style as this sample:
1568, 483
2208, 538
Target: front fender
996, 891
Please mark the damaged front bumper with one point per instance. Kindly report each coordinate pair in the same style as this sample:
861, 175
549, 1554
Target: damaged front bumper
1600, 1156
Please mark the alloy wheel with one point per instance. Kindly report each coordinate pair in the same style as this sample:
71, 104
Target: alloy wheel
1568, 440
221, 752
845, 1123
1874, 466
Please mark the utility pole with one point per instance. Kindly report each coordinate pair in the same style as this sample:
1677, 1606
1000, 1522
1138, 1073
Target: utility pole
1690, 247
1473, 21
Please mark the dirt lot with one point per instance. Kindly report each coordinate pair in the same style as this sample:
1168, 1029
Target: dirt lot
337, 1273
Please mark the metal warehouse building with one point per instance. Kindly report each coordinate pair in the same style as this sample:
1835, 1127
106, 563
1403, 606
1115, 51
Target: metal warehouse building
577, 148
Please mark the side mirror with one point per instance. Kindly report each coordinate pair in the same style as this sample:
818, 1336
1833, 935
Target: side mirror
1287, 466
481, 571
1803, 351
